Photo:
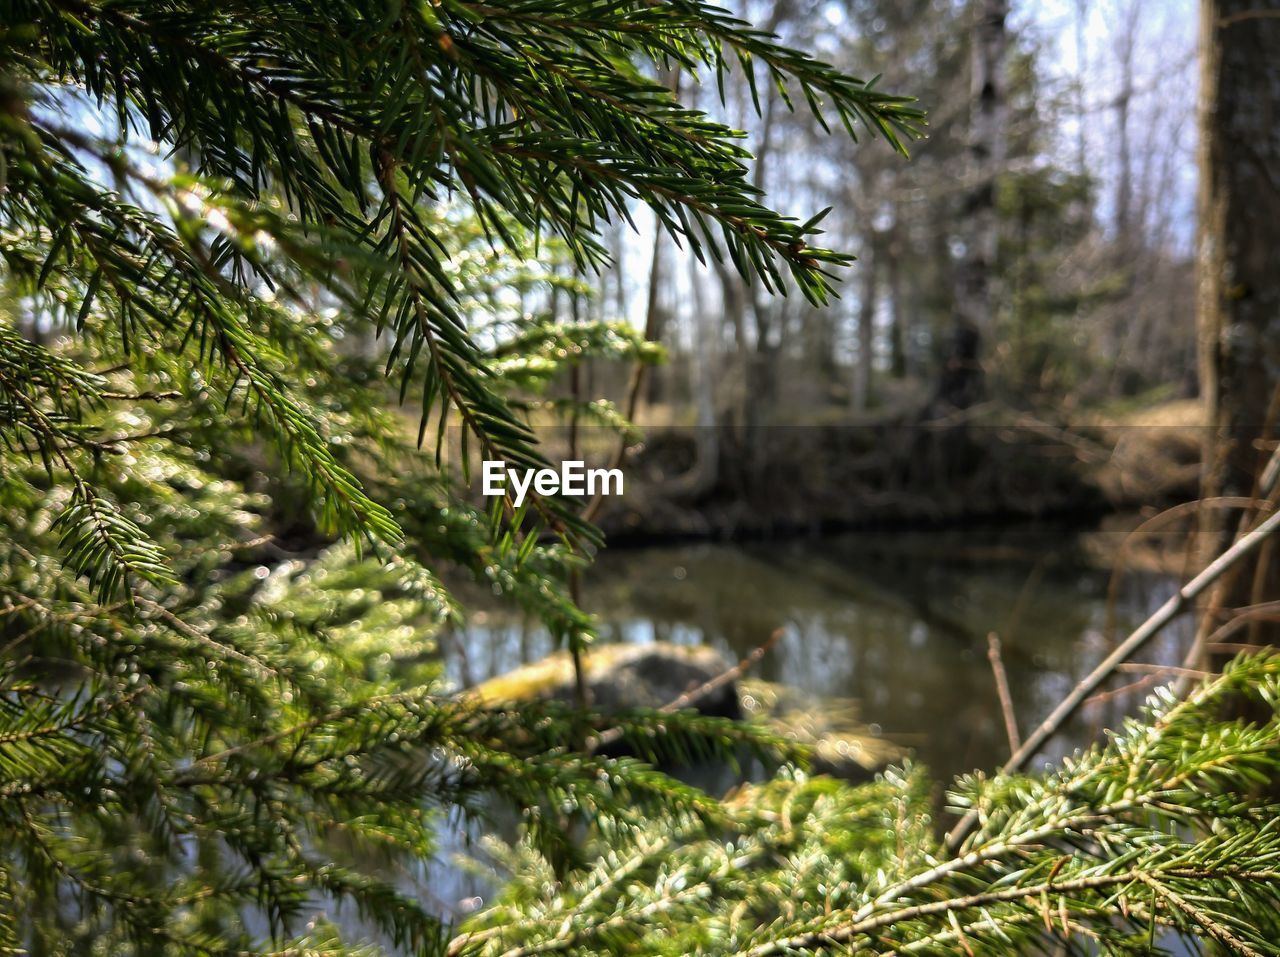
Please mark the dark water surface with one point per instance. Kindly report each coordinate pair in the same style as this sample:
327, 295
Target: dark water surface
898, 624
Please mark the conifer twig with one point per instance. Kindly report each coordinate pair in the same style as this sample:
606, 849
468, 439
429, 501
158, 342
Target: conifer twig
1144, 633
1002, 691
949, 905
1261, 500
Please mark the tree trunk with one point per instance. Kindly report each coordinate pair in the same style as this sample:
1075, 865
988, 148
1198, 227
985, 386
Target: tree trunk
617, 249
655, 323
1239, 284
860, 391
1125, 44
899, 320
655, 317
761, 373
974, 306
1082, 72
706, 358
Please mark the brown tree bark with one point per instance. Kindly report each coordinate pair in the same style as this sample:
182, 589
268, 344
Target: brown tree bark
1239, 275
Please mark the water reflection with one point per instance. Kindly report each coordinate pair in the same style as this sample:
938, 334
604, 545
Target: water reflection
897, 624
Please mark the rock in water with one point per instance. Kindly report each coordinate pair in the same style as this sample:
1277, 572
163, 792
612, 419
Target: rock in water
619, 677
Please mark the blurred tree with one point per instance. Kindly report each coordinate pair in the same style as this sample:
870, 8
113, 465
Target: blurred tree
960, 383
1082, 312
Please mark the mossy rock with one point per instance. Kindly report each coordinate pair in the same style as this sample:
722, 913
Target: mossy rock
620, 677
623, 676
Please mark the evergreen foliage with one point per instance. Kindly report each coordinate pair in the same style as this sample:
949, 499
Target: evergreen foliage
218, 712
1165, 836
233, 235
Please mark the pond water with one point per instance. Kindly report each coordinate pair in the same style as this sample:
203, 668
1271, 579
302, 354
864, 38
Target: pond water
897, 624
